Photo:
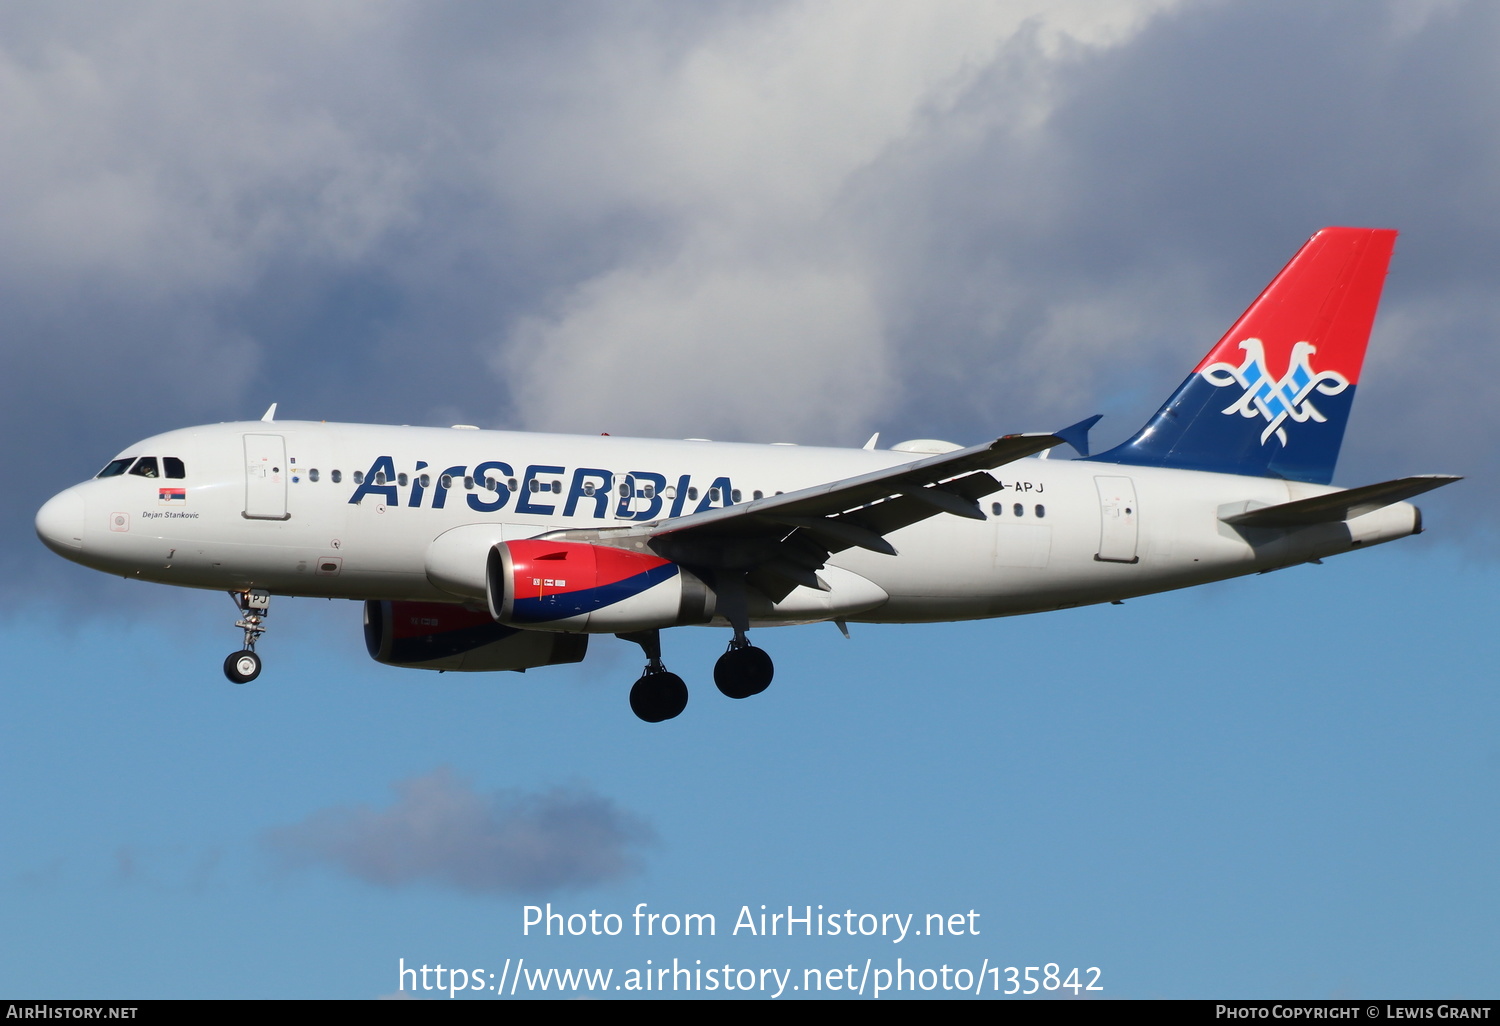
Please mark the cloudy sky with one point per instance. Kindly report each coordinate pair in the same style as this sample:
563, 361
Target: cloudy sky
764, 222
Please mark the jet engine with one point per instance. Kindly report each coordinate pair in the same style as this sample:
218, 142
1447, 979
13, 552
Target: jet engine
438, 636
577, 586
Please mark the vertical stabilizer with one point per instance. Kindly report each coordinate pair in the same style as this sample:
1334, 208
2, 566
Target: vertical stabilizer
1272, 398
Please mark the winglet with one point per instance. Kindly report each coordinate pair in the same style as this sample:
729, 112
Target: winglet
1077, 435
873, 439
270, 414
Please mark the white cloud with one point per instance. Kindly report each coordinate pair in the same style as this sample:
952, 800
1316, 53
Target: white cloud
442, 831
760, 309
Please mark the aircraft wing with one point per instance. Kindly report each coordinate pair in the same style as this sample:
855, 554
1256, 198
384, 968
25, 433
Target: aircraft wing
780, 541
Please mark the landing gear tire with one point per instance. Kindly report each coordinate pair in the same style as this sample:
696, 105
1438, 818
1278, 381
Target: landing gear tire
742, 672
242, 667
658, 696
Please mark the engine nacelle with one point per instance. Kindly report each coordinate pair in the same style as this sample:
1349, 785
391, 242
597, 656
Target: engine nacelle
438, 636
577, 586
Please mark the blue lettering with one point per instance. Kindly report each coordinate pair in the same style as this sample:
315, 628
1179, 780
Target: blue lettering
524, 503
682, 490
589, 485
723, 492
634, 491
502, 493
440, 496
604, 481
383, 465
416, 486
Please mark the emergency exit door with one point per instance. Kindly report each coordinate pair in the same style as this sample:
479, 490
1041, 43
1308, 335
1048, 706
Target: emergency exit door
265, 477
1119, 517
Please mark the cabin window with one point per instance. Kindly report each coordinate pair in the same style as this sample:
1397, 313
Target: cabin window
650, 491
757, 494
359, 477
534, 485
996, 508
1019, 510
468, 484
713, 495
692, 494
588, 489
173, 467
734, 496
624, 491
145, 467
557, 487
116, 467
380, 477
401, 479
511, 484
446, 481
335, 476
312, 475
1041, 511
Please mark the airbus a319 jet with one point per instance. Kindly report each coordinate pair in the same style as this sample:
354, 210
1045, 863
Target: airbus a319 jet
496, 550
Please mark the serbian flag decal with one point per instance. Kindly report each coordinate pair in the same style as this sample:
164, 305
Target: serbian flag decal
171, 496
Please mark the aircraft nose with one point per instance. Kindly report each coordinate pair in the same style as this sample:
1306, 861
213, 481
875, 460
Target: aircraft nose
59, 524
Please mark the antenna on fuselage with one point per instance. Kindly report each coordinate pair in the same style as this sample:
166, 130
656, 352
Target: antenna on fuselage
270, 414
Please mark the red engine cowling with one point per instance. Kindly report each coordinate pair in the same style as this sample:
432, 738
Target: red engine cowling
438, 636
577, 586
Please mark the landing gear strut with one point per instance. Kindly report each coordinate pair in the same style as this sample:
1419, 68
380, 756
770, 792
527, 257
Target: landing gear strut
255, 605
659, 694
743, 670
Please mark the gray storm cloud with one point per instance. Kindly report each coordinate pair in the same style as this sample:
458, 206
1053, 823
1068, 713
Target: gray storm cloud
789, 221
441, 831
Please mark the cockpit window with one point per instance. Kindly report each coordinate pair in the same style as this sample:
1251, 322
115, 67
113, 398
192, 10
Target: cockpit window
116, 467
173, 466
145, 467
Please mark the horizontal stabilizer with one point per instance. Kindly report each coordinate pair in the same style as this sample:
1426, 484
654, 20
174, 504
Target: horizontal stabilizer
1340, 506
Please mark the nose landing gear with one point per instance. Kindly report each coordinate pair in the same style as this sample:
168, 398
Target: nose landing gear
255, 605
242, 667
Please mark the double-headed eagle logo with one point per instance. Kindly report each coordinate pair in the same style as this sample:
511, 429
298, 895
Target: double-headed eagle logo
1276, 401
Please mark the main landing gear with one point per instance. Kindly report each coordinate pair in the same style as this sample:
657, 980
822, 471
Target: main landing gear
255, 605
660, 695
743, 670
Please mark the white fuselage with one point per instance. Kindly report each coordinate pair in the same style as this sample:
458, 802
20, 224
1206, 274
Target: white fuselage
260, 507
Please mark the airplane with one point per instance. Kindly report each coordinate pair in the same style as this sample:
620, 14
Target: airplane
494, 550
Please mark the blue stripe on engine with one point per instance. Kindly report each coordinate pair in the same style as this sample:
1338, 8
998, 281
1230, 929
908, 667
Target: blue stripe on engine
565, 604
